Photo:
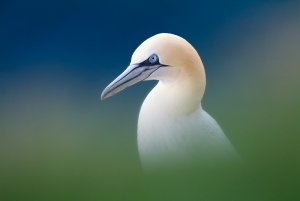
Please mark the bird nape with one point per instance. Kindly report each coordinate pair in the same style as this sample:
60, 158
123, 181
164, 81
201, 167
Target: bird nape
173, 129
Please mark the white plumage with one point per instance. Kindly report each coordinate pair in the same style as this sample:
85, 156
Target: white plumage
165, 138
173, 129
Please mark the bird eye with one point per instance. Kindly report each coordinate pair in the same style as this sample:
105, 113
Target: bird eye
153, 59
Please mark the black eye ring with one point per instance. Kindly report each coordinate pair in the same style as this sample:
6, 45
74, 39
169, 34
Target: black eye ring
153, 59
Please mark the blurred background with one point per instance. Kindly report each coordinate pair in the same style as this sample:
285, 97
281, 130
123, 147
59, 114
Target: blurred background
58, 141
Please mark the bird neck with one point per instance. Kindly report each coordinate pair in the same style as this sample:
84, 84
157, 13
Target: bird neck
180, 96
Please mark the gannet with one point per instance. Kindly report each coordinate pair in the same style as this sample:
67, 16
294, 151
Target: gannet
173, 128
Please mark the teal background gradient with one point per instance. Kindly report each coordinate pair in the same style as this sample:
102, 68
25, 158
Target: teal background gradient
58, 141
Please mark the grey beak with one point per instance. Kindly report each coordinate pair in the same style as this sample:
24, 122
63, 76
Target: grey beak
132, 75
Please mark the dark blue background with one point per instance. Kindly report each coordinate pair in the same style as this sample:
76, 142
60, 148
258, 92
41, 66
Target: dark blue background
92, 39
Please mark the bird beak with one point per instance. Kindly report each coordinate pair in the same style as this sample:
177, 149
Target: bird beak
132, 75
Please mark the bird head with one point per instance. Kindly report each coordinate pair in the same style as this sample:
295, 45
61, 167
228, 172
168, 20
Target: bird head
164, 57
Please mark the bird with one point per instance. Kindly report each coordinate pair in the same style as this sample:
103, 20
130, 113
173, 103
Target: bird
173, 129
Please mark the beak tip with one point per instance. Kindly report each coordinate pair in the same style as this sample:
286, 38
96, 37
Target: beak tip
106, 93
129, 77
103, 96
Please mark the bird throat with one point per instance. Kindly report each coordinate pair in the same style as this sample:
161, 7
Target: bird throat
175, 98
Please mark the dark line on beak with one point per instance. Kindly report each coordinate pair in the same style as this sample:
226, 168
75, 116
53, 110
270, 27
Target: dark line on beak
162, 65
125, 75
138, 66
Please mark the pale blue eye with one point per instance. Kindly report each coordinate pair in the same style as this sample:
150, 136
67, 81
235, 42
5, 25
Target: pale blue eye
153, 59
